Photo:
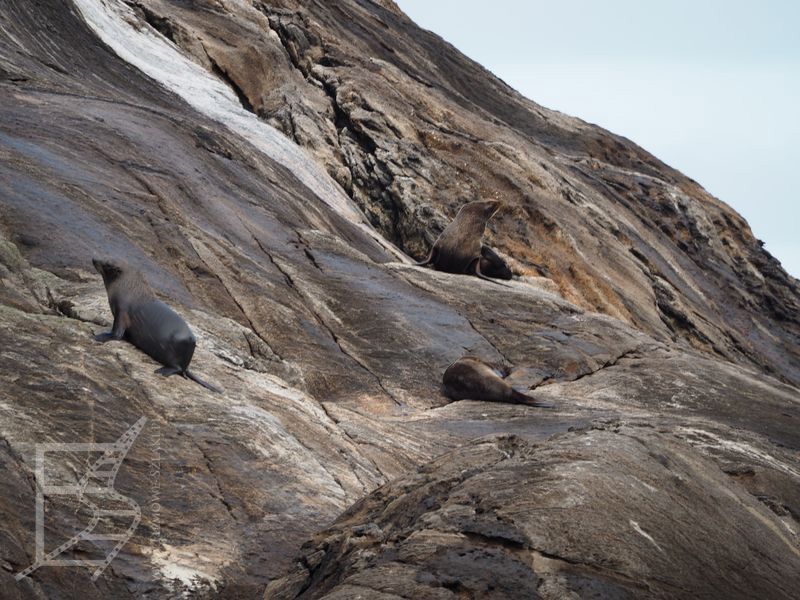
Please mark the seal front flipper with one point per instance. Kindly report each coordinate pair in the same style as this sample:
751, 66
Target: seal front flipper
195, 378
520, 398
117, 329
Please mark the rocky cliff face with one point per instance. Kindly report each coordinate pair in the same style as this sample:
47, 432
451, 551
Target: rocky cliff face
270, 167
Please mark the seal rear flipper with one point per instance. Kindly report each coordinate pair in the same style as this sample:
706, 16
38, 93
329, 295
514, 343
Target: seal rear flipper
195, 378
428, 260
494, 266
167, 371
520, 398
476, 270
104, 337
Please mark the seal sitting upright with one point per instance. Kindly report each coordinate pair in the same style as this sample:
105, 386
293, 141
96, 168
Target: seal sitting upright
146, 322
470, 378
459, 249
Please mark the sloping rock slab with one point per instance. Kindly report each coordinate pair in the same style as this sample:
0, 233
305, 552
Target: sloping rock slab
617, 511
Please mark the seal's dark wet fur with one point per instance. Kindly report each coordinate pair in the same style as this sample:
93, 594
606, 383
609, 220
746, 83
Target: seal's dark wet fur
146, 322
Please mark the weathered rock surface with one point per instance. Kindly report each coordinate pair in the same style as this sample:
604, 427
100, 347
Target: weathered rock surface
412, 130
145, 129
461, 528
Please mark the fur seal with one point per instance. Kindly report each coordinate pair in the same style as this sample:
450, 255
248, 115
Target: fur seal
459, 249
146, 322
470, 378
492, 265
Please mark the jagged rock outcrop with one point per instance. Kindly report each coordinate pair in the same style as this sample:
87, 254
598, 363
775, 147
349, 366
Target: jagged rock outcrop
147, 129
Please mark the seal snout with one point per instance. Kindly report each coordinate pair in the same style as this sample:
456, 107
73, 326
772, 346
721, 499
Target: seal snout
110, 269
103, 266
492, 207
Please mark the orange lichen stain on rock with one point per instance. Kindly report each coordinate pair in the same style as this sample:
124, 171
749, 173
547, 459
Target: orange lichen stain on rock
597, 293
434, 140
534, 180
573, 283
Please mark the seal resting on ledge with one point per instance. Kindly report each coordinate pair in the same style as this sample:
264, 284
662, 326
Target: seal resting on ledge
470, 378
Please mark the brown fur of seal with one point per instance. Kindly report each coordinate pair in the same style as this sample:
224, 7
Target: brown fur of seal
470, 378
458, 249
146, 322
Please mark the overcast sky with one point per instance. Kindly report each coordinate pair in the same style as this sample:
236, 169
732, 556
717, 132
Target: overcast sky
710, 87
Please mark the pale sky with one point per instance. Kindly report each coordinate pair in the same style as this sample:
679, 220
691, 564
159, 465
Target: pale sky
710, 87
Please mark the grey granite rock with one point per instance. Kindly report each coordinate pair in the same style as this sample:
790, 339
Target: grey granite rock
146, 129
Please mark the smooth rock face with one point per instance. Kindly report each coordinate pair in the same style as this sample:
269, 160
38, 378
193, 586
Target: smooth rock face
146, 130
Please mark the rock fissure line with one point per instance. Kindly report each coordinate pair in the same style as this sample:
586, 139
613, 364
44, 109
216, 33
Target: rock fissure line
361, 364
356, 443
475, 329
223, 74
235, 300
210, 468
610, 363
66, 309
488, 341
320, 319
29, 473
344, 124
290, 282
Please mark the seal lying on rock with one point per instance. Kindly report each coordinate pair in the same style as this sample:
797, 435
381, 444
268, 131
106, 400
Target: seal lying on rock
146, 322
459, 249
470, 378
